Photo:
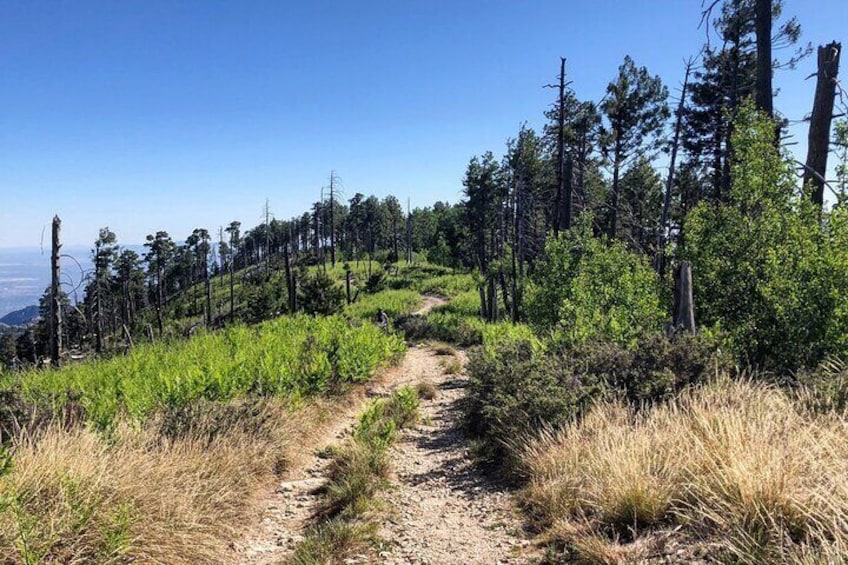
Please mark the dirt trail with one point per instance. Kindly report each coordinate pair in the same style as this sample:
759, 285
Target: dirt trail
445, 512
287, 509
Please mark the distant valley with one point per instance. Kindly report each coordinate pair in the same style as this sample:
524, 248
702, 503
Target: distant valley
25, 273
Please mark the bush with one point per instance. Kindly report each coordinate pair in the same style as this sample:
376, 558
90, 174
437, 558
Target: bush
653, 370
516, 392
318, 293
768, 267
518, 385
588, 288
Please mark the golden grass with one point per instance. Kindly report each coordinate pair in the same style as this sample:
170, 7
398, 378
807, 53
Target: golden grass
451, 365
427, 390
73, 496
733, 462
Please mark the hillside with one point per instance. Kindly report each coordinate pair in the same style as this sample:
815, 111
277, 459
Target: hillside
21, 317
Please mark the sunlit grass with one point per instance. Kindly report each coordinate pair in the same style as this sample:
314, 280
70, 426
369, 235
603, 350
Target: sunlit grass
292, 356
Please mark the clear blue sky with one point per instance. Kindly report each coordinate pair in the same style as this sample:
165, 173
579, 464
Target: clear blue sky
146, 115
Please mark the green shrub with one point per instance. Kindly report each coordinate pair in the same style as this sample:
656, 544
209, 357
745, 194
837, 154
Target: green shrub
394, 303
768, 268
519, 385
318, 293
653, 370
588, 289
514, 393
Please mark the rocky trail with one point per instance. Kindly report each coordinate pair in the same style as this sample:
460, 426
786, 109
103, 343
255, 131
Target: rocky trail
440, 508
444, 510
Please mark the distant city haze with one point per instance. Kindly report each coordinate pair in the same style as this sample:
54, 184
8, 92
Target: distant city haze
25, 274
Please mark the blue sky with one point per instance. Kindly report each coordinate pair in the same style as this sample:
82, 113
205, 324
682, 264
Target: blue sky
147, 115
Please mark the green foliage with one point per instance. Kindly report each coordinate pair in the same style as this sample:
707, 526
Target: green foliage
376, 282
588, 288
653, 370
519, 385
513, 392
318, 293
446, 285
769, 269
393, 302
290, 356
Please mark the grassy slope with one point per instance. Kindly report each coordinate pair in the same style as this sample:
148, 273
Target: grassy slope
189, 441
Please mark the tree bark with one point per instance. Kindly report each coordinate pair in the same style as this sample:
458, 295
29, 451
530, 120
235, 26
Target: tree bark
669, 184
818, 139
686, 312
763, 89
560, 177
55, 299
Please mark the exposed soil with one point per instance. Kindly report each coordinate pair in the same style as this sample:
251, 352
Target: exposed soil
444, 510
441, 509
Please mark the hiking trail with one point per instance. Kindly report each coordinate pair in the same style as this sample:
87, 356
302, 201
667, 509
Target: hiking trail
440, 508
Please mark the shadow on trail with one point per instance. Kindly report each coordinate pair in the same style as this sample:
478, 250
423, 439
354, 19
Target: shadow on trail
449, 444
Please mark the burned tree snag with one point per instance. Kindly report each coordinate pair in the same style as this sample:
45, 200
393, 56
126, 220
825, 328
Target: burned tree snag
819, 136
763, 90
55, 298
686, 309
669, 184
560, 165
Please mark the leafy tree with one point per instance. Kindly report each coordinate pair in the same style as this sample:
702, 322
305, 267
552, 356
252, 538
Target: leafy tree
840, 144
484, 192
727, 77
766, 270
129, 278
590, 288
641, 206
103, 256
636, 111
161, 249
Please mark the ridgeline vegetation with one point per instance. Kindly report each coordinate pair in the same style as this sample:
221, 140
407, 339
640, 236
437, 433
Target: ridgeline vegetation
566, 268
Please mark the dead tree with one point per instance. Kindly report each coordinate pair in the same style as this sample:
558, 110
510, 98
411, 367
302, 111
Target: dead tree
669, 183
55, 298
289, 273
561, 189
763, 90
685, 298
818, 139
332, 219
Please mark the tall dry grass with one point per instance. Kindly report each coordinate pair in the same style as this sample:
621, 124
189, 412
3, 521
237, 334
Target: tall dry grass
734, 463
166, 493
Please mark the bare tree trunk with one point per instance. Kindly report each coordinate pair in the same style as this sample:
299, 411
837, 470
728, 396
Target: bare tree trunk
819, 136
289, 274
686, 313
55, 299
332, 221
347, 284
98, 307
408, 233
669, 184
569, 197
560, 177
764, 72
